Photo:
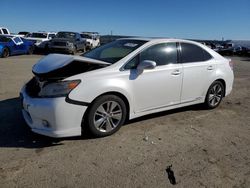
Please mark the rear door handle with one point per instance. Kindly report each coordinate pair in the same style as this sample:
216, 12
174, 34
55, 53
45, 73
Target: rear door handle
176, 72
210, 67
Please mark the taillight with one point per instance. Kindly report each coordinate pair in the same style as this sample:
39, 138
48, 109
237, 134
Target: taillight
231, 64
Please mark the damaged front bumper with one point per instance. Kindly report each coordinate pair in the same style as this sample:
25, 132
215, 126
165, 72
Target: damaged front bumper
52, 117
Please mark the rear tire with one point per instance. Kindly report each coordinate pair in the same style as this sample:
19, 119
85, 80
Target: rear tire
214, 95
6, 53
106, 115
31, 50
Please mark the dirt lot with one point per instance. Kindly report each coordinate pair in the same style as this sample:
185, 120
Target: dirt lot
206, 148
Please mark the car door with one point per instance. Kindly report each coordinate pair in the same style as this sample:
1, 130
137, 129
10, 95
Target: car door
22, 46
158, 87
16, 48
198, 71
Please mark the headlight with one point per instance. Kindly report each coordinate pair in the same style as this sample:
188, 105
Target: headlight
58, 89
70, 44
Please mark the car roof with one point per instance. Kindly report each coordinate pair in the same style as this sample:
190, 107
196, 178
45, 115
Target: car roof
8, 36
43, 32
155, 39
67, 32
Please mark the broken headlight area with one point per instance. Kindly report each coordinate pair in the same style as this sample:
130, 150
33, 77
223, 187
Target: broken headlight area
36, 88
58, 89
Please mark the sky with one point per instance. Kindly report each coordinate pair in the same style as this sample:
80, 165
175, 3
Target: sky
190, 19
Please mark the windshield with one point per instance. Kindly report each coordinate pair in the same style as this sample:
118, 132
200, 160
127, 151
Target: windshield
66, 35
114, 51
86, 36
38, 35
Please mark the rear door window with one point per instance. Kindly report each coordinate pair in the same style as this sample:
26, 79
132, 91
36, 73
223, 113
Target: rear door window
192, 53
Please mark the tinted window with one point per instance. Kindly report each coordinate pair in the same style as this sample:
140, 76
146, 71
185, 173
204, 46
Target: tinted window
52, 35
38, 35
86, 36
207, 55
5, 31
132, 64
162, 54
193, 53
71, 35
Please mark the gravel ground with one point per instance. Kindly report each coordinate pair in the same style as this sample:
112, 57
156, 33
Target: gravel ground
206, 148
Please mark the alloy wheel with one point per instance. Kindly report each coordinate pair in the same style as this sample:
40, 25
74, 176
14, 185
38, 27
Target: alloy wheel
215, 95
108, 116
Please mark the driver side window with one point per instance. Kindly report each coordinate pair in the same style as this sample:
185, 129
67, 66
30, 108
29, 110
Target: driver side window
162, 54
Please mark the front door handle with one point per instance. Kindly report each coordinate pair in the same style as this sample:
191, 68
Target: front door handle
176, 72
210, 67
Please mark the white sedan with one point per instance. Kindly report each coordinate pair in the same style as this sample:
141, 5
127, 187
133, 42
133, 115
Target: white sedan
122, 80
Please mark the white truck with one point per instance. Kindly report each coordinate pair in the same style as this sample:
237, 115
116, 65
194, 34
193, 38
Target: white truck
41, 39
4, 31
92, 39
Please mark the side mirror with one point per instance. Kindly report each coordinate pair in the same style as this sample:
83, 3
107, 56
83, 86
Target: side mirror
146, 64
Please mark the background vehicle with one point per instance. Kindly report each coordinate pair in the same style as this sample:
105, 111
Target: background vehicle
124, 79
41, 39
11, 45
92, 39
23, 33
67, 42
4, 31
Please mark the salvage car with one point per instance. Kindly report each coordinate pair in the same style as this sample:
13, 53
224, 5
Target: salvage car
41, 39
122, 80
92, 39
67, 42
23, 33
12, 45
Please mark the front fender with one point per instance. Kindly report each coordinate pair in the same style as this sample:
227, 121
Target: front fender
1, 49
88, 91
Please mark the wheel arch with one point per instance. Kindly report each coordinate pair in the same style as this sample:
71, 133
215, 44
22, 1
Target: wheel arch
116, 93
223, 83
3, 47
122, 96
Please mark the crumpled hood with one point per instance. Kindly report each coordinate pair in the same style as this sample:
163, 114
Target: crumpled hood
52, 62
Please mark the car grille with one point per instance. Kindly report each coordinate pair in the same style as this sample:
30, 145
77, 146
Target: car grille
32, 87
59, 43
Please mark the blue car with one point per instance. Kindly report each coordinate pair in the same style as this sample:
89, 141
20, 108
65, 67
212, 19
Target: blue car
12, 45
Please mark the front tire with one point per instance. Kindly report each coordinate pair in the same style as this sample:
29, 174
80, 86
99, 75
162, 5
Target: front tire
6, 53
30, 50
106, 115
214, 95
